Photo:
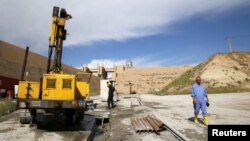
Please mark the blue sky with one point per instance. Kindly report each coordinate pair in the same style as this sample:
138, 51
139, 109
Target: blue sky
149, 32
190, 42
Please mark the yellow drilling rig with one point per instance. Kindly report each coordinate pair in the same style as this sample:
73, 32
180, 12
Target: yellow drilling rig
56, 92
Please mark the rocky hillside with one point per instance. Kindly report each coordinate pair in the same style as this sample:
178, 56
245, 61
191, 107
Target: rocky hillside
222, 72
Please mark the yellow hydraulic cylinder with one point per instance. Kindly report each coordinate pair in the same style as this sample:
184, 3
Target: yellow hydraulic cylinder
53, 29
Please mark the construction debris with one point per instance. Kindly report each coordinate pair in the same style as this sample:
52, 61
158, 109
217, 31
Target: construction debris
148, 123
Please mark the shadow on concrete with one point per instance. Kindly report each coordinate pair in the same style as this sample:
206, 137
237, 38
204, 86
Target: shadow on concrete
58, 123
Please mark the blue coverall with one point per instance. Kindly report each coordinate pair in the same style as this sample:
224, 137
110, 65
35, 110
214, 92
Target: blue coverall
200, 94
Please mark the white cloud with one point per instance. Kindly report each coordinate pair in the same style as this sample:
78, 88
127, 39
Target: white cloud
107, 63
27, 22
146, 61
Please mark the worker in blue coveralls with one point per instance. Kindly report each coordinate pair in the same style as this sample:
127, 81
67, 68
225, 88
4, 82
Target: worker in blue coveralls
200, 99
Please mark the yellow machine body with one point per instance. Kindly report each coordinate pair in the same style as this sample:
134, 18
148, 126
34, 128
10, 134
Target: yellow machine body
56, 92
82, 84
55, 87
58, 87
28, 90
82, 90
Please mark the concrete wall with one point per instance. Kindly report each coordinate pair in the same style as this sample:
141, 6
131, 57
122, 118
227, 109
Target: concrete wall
147, 80
12, 60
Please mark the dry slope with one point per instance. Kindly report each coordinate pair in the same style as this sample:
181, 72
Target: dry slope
223, 72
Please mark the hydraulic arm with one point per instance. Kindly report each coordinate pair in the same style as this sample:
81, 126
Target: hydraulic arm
56, 37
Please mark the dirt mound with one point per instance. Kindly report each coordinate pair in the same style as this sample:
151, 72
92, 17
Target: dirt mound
222, 72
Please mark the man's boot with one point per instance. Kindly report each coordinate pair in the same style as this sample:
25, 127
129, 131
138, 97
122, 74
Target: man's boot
205, 120
195, 118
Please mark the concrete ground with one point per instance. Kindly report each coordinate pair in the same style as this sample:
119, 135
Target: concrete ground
175, 111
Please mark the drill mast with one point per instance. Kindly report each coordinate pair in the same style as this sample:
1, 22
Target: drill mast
57, 35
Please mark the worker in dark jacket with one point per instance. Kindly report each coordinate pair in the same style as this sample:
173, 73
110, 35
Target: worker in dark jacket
111, 95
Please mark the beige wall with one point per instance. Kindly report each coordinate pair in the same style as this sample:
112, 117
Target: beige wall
147, 80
